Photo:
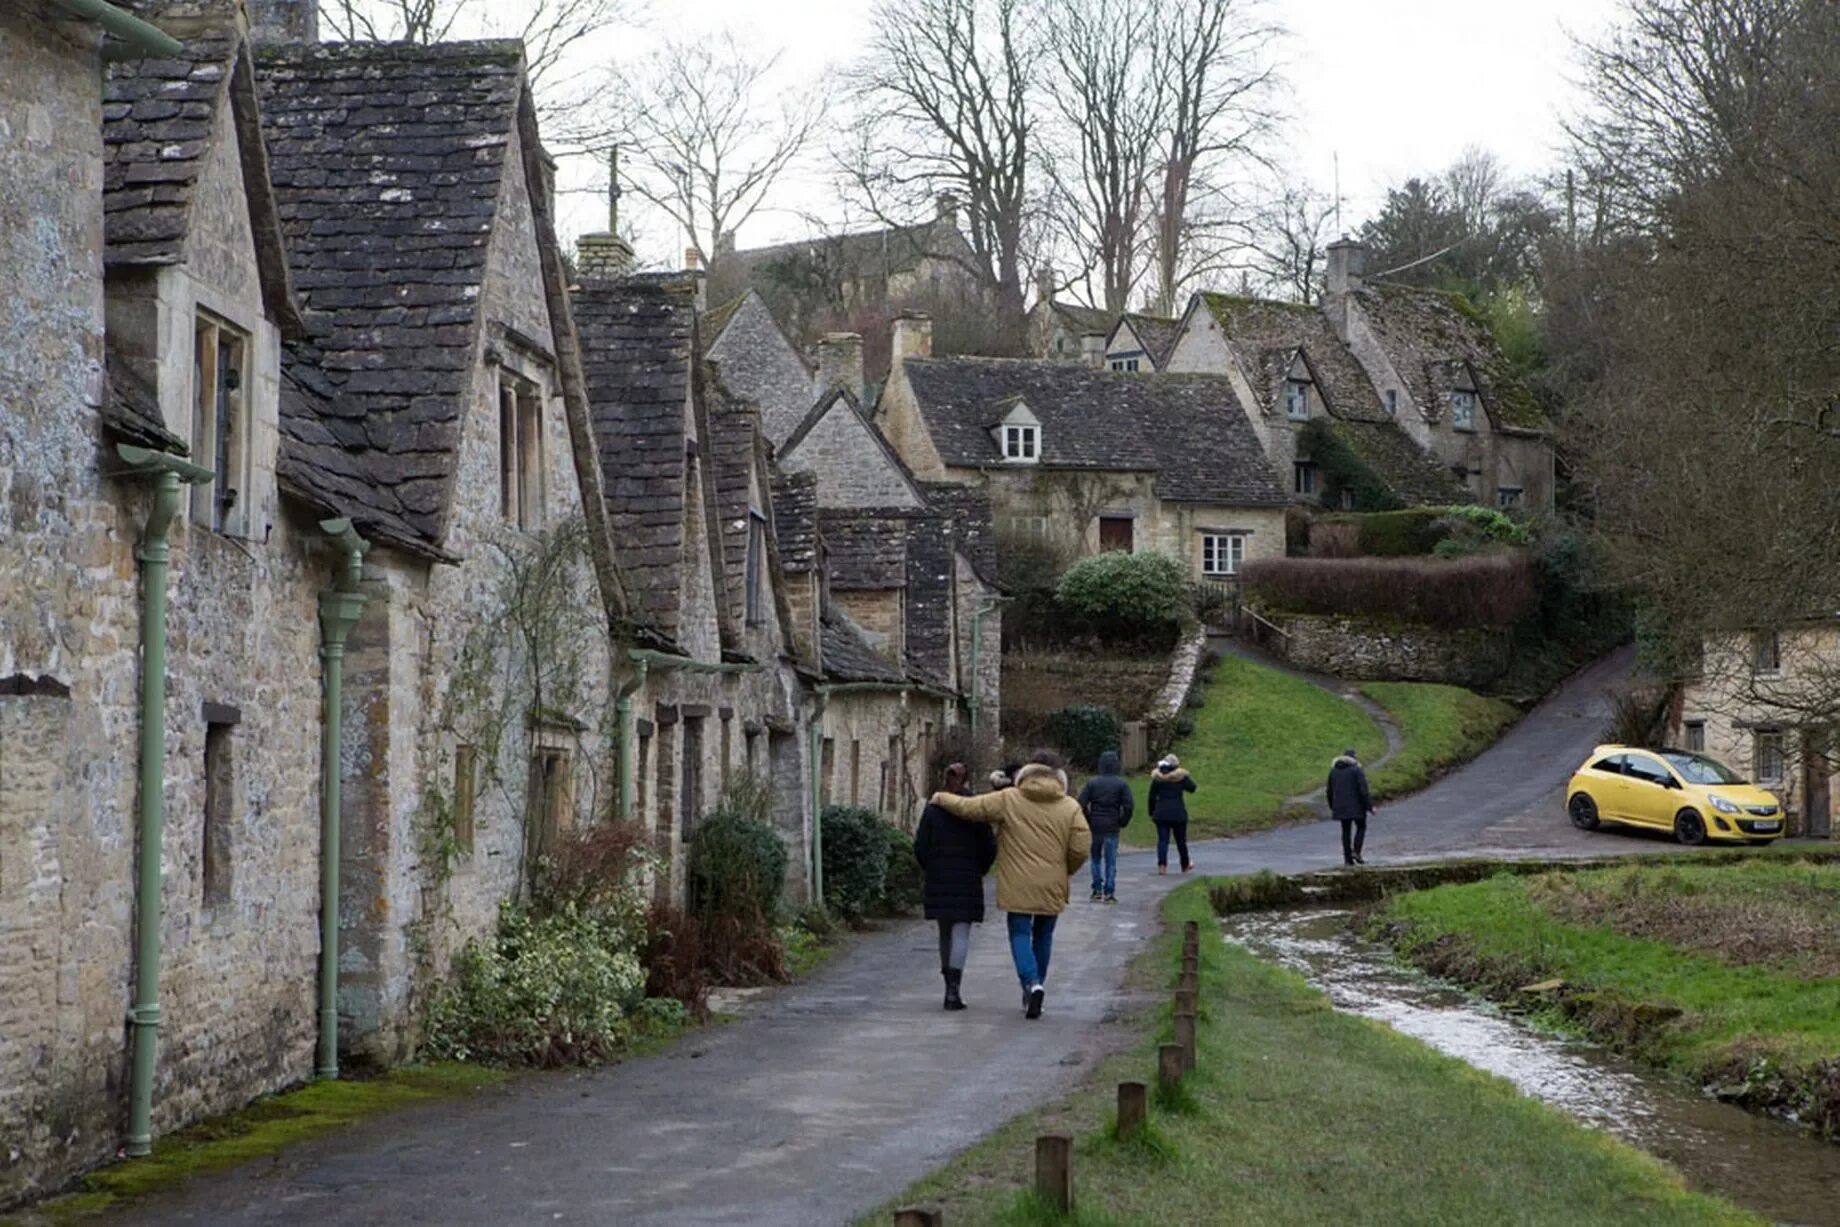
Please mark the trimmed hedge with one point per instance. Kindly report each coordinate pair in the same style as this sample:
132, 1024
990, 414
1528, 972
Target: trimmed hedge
1134, 592
903, 885
1496, 590
1420, 530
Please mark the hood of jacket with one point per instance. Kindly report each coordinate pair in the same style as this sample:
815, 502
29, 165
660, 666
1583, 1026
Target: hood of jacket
1342, 763
1108, 763
1170, 777
1041, 783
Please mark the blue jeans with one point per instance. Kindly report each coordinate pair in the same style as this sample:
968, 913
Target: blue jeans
1031, 941
1105, 862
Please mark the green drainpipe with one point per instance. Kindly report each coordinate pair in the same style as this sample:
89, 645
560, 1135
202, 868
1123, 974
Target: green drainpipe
140, 36
167, 474
339, 607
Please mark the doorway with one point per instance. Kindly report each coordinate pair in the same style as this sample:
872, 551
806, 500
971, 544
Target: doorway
1817, 791
1115, 533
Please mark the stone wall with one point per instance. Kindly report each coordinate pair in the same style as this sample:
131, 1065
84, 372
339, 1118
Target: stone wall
880, 742
1038, 683
1390, 651
855, 471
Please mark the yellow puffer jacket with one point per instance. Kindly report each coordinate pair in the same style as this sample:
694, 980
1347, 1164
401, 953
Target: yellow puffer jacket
1042, 838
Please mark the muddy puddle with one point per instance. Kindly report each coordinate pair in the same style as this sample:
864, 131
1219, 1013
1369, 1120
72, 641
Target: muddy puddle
1761, 1164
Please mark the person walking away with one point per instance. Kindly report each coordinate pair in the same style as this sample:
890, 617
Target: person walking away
1169, 810
954, 856
1350, 803
1107, 803
1042, 840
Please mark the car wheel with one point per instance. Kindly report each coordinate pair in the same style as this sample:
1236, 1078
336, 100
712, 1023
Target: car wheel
1689, 828
1584, 812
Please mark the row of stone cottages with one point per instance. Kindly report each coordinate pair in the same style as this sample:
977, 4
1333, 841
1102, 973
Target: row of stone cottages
351, 556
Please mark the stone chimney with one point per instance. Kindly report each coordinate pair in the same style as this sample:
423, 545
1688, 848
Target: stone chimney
725, 244
1044, 284
604, 255
840, 364
913, 338
1347, 265
1092, 349
947, 206
284, 21
692, 261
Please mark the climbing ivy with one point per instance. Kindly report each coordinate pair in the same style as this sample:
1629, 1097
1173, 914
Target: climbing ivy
1341, 470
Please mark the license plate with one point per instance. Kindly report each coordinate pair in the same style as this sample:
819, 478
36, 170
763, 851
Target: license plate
1764, 826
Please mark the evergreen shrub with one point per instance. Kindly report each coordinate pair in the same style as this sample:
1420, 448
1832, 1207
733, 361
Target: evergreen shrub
855, 860
1084, 732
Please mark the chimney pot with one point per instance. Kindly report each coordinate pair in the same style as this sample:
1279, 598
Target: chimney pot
913, 338
840, 364
1347, 265
692, 261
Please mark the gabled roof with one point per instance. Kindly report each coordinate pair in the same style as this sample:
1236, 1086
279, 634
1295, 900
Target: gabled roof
733, 425
967, 509
1183, 428
759, 361
840, 400
795, 520
862, 253
638, 342
387, 161
159, 118
1265, 337
1425, 331
1154, 333
848, 657
1084, 320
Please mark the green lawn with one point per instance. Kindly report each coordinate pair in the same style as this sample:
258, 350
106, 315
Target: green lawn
1442, 727
1262, 738
1719, 970
1301, 1115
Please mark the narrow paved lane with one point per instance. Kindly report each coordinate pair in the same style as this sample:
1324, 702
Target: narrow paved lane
831, 1096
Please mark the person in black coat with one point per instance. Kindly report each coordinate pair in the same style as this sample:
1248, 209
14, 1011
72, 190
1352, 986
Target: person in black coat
954, 856
1169, 810
1108, 803
1350, 803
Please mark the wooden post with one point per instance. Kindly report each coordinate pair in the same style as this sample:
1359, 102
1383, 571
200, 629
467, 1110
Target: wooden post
1191, 966
1185, 1039
1054, 1170
1186, 1001
918, 1216
1133, 1101
1191, 930
1169, 1068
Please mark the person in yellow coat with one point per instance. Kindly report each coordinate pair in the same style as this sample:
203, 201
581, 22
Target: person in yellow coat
1042, 840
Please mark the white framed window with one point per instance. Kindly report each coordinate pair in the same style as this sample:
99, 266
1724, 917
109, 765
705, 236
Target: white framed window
1222, 553
1767, 754
220, 423
1022, 443
1303, 476
1296, 399
1462, 410
1507, 497
1695, 731
1392, 402
1124, 364
520, 455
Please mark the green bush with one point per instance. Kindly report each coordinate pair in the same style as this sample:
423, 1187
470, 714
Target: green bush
1083, 733
544, 989
1425, 530
737, 868
855, 859
903, 885
1133, 593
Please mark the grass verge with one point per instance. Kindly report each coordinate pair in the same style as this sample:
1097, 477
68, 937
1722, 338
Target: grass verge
1440, 726
1300, 1115
1725, 972
1261, 738
262, 1128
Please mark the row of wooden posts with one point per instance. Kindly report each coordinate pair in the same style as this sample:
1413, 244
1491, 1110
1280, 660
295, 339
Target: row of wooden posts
1054, 1151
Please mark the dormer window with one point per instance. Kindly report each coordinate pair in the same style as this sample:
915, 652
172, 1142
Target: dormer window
1022, 443
1462, 410
1297, 399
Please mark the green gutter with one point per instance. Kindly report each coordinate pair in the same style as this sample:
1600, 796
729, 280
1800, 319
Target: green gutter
339, 607
141, 36
644, 661
167, 474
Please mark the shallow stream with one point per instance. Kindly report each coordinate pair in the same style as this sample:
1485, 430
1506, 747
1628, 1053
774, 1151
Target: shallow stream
1761, 1164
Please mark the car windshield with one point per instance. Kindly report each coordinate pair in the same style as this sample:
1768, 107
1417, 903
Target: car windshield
1698, 769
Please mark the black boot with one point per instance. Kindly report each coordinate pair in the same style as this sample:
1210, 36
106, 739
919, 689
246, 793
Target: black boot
954, 977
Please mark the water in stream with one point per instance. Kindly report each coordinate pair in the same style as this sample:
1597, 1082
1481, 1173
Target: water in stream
1764, 1165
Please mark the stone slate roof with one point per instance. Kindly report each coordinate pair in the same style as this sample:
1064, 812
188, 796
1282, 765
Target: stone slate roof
1424, 332
1265, 336
967, 509
865, 550
1183, 428
930, 550
758, 360
1413, 473
1082, 320
387, 159
1156, 334
733, 426
132, 410
159, 117
848, 657
795, 520
638, 342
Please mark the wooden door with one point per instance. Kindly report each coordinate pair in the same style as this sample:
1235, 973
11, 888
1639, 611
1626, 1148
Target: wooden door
1817, 796
1115, 534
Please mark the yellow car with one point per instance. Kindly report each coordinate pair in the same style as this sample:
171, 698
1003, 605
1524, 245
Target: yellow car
1695, 797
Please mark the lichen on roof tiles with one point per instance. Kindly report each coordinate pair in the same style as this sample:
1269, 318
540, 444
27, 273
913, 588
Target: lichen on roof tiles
1421, 329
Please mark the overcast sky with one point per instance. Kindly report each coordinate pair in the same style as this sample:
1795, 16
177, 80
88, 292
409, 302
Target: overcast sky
1390, 87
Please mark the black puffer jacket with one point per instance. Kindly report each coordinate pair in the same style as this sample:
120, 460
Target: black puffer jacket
954, 855
1167, 804
1349, 799
1107, 798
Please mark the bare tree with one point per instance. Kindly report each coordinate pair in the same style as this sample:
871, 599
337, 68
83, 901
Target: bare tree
944, 90
1111, 99
1216, 59
1290, 253
707, 131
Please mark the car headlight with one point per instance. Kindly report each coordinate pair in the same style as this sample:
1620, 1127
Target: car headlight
1722, 805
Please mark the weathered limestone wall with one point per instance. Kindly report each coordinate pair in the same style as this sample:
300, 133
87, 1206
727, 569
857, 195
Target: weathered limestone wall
880, 742
854, 470
1390, 651
755, 359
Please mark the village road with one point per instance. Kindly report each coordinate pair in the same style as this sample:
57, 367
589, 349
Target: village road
830, 1096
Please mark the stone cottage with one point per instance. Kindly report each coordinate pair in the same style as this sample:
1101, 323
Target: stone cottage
1139, 342
1430, 366
1068, 332
760, 362
1310, 403
1077, 460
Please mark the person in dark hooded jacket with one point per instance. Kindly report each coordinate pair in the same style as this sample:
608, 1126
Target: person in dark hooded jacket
954, 856
1169, 810
1350, 803
1107, 802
